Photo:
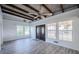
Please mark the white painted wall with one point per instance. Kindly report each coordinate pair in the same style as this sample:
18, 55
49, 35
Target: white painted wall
33, 29
70, 15
0, 28
10, 30
10, 27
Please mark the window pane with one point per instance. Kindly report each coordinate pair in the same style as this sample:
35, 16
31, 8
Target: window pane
52, 34
66, 25
51, 26
27, 30
67, 35
51, 30
23, 30
19, 30
65, 30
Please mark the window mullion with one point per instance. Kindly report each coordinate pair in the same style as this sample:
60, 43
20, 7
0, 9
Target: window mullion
57, 31
23, 30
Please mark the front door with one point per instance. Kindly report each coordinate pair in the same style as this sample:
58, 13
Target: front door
40, 32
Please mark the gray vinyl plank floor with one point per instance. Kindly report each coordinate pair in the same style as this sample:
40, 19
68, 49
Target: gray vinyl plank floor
30, 46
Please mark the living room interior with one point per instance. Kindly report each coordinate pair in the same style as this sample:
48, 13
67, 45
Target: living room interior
39, 29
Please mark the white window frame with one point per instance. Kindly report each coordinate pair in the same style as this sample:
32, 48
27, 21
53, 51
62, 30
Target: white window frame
57, 31
23, 30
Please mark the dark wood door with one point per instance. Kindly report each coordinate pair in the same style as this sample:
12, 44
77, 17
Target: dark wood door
40, 32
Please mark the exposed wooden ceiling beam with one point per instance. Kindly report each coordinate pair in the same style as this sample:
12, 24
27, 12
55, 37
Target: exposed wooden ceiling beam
31, 7
61, 6
18, 8
11, 5
15, 14
66, 8
47, 8
78, 5
15, 11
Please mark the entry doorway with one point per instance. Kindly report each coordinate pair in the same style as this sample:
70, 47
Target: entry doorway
40, 32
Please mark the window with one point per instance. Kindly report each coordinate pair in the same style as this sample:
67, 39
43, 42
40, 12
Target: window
65, 30
27, 30
52, 30
60, 30
22, 30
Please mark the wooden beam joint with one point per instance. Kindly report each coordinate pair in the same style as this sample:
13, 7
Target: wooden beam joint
47, 8
61, 6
